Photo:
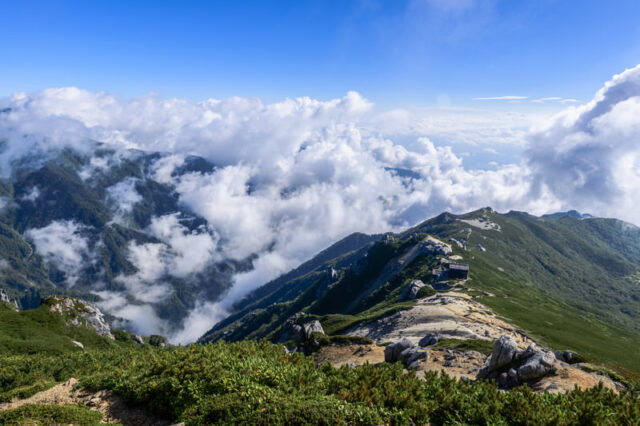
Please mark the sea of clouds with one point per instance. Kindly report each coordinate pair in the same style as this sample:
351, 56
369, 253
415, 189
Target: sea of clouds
294, 176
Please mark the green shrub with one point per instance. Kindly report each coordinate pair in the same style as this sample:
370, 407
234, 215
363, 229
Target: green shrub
50, 415
482, 346
259, 383
157, 340
122, 336
425, 291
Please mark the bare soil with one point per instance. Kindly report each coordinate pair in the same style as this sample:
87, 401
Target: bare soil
113, 408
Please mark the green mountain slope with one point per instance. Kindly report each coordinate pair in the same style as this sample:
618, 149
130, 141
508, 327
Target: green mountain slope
76, 191
567, 282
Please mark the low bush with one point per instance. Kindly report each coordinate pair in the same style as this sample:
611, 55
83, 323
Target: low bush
259, 383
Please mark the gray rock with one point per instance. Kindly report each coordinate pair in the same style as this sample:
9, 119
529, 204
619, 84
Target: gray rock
410, 292
504, 350
512, 376
429, 340
78, 344
138, 339
536, 366
5, 298
79, 312
411, 355
566, 356
393, 351
291, 330
312, 327
405, 352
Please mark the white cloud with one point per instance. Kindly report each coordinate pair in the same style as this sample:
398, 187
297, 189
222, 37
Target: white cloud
62, 246
554, 99
588, 156
123, 196
32, 195
137, 317
295, 176
190, 251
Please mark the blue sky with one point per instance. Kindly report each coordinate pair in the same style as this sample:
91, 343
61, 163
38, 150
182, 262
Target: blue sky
396, 53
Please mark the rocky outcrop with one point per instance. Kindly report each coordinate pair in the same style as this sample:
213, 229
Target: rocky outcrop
511, 366
433, 246
79, 313
4, 297
312, 327
296, 329
429, 340
504, 351
410, 292
405, 352
569, 357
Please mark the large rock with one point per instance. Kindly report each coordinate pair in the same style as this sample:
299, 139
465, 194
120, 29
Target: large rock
312, 327
429, 340
411, 357
291, 330
536, 366
511, 366
504, 351
410, 292
568, 356
393, 351
301, 334
78, 312
405, 352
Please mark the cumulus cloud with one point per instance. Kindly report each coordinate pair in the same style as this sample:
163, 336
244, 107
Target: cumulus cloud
63, 247
190, 251
589, 156
124, 196
32, 194
294, 176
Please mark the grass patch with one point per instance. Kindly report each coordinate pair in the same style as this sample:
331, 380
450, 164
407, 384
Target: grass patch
337, 323
483, 346
32, 415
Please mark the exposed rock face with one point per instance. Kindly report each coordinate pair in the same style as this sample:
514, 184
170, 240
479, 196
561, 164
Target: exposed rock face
393, 351
410, 292
504, 350
301, 334
568, 356
512, 366
5, 298
429, 340
78, 312
538, 365
434, 246
138, 339
312, 327
405, 352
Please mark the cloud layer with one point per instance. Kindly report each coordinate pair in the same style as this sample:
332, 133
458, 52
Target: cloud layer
294, 176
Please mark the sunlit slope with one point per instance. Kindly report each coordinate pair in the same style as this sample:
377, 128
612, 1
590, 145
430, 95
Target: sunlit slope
570, 283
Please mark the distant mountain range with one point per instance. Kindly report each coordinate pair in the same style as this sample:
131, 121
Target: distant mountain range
572, 213
107, 227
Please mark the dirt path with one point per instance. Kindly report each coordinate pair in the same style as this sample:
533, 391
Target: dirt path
109, 404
